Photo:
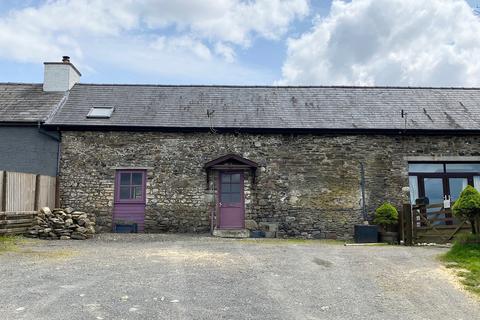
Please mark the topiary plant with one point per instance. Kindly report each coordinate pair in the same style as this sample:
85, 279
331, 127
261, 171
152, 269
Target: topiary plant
386, 215
467, 206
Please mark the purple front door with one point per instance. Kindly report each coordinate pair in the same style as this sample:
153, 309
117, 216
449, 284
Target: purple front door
231, 205
129, 206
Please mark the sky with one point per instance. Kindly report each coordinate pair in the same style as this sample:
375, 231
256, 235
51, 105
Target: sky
245, 42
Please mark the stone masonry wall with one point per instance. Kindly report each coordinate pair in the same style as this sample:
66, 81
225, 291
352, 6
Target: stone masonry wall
307, 183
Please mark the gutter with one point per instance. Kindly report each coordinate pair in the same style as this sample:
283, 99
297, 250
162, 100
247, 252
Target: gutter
46, 133
372, 131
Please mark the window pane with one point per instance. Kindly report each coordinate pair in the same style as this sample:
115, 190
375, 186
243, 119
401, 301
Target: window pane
136, 192
456, 187
124, 192
476, 182
225, 197
413, 182
235, 187
137, 179
100, 112
125, 179
235, 197
463, 167
425, 167
236, 177
225, 187
225, 177
434, 192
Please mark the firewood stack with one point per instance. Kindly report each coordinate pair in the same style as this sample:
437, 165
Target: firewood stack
63, 224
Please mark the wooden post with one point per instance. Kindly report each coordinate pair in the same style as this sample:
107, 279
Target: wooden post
57, 192
408, 220
3, 190
401, 226
37, 191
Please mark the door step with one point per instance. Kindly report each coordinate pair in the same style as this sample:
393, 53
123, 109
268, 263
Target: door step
231, 233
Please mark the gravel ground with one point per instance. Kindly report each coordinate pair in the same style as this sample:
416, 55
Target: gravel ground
195, 277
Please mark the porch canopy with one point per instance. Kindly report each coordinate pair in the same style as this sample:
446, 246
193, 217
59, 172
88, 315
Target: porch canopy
230, 162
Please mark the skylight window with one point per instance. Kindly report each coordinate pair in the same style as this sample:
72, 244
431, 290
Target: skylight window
100, 112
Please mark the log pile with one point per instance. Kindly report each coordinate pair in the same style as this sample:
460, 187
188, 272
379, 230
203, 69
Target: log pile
63, 224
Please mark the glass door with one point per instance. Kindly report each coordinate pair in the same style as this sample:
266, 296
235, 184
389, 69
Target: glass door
434, 190
439, 181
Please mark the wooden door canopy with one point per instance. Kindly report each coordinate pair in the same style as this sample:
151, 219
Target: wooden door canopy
230, 162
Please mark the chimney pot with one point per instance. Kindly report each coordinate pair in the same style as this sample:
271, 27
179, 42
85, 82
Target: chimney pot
66, 59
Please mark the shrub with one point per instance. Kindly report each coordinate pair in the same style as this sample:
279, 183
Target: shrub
468, 239
385, 215
467, 207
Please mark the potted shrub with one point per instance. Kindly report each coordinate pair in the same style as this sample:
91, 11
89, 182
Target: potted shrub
386, 216
467, 207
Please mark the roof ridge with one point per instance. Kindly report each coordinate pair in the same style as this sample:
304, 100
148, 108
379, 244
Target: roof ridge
270, 86
20, 83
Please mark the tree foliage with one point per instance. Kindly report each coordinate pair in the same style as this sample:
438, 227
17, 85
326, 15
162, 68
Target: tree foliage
467, 206
386, 214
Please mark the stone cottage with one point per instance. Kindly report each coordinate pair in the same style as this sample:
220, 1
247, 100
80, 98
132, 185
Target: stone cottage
201, 158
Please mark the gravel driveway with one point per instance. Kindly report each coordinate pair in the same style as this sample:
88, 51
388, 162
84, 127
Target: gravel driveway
195, 277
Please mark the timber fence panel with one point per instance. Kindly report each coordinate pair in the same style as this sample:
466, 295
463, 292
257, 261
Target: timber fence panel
20, 191
46, 191
21, 194
2, 200
16, 222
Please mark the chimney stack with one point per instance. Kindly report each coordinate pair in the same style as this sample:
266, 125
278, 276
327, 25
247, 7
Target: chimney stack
60, 76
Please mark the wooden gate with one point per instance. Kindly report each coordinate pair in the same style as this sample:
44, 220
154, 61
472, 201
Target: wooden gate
430, 224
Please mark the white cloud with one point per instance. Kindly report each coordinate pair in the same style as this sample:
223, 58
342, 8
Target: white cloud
227, 52
207, 31
388, 42
233, 21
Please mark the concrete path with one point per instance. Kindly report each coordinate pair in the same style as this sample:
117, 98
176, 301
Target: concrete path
192, 277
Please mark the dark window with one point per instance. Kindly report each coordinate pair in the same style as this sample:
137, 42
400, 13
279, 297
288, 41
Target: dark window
137, 178
463, 167
131, 185
230, 188
425, 167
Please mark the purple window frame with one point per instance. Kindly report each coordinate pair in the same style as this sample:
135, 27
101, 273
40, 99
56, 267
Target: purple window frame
117, 186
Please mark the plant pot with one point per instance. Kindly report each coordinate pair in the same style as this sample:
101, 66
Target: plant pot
388, 236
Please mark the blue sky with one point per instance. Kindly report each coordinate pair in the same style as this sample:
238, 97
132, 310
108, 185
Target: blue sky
316, 42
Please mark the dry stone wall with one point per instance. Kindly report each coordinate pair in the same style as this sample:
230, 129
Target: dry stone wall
309, 184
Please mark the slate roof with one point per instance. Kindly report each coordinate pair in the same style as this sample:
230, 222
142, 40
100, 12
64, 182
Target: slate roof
273, 107
26, 102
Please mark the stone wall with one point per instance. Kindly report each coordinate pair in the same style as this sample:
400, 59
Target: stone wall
307, 183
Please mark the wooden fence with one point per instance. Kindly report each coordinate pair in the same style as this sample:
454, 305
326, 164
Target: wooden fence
21, 195
16, 222
430, 223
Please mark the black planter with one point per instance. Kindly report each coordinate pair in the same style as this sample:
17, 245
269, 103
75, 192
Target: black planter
366, 233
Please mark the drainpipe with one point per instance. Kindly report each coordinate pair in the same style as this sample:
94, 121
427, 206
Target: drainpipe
362, 184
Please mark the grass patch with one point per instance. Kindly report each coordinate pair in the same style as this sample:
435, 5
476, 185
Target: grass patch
465, 256
9, 243
56, 254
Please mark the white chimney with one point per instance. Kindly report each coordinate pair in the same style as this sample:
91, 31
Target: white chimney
60, 76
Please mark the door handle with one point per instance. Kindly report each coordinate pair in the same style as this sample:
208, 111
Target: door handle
219, 204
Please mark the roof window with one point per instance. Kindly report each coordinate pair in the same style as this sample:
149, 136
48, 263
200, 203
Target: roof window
100, 112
